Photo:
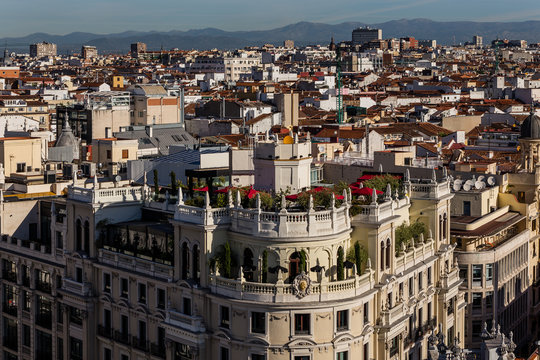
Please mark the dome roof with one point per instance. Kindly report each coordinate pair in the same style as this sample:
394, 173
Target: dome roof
530, 129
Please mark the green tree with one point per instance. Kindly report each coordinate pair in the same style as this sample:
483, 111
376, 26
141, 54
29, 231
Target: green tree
340, 266
360, 257
302, 264
379, 182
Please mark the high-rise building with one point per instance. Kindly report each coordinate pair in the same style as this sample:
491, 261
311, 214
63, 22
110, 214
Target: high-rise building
478, 40
137, 49
288, 44
89, 52
42, 49
361, 36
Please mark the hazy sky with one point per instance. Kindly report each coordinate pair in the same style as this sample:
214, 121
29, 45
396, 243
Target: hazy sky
106, 16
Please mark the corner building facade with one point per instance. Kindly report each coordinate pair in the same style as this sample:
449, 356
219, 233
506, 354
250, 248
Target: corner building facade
140, 274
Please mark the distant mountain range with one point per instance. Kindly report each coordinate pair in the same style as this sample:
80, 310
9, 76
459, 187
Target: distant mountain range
303, 33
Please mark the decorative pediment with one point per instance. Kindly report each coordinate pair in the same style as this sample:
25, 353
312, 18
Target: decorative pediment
257, 340
223, 334
300, 342
342, 338
142, 309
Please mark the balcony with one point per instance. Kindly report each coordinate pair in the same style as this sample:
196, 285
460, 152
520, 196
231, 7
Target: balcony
111, 195
122, 337
105, 331
281, 292
282, 224
133, 263
158, 350
44, 320
141, 344
83, 289
9, 276
11, 342
10, 309
43, 286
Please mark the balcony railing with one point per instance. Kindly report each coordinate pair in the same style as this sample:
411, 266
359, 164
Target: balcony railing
9, 309
122, 337
44, 320
11, 342
9, 275
158, 350
105, 331
43, 286
141, 344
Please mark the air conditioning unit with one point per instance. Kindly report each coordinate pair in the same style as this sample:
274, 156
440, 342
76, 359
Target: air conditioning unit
88, 169
68, 170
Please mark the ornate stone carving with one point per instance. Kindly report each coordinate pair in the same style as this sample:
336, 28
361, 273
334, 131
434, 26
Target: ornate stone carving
302, 285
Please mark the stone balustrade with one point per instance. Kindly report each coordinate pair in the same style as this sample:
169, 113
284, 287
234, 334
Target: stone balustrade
259, 223
132, 263
83, 289
414, 256
191, 323
110, 195
282, 293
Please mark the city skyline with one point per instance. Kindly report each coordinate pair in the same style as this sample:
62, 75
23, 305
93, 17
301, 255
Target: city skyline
239, 15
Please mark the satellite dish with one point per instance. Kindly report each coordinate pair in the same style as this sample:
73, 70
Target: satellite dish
470, 183
467, 186
478, 185
481, 178
491, 181
457, 185
117, 178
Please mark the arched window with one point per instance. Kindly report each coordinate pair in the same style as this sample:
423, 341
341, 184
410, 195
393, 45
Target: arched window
382, 255
86, 236
294, 264
440, 227
388, 248
196, 269
185, 261
445, 226
78, 235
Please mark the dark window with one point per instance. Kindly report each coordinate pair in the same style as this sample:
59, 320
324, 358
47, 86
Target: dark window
142, 331
258, 322
301, 324
142, 293
107, 355
257, 357
107, 283
161, 298
224, 354
75, 349
366, 313
124, 325
187, 306
467, 208
78, 275
26, 335
124, 292
60, 349
343, 355
224, 317
21, 167
342, 320
477, 301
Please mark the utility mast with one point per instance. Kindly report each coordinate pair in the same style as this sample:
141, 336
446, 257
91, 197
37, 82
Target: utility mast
339, 98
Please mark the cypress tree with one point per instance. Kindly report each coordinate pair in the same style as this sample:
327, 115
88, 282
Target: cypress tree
340, 267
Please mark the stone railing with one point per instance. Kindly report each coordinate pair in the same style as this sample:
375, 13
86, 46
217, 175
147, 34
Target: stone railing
378, 212
136, 264
18, 245
434, 190
191, 323
110, 195
414, 255
281, 292
256, 222
83, 289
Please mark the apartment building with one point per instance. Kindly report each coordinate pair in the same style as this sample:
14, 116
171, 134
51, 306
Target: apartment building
141, 274
152, 105
98, 116
42, 49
